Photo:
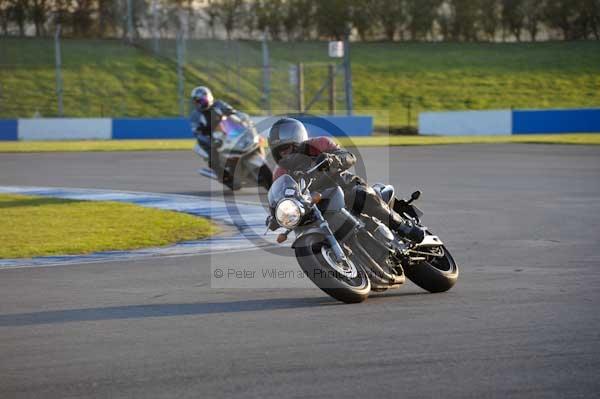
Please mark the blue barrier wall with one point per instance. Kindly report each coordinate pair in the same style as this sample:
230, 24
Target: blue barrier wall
160, 128
179, 128
517, 122
9, 129
556, 121
338, 125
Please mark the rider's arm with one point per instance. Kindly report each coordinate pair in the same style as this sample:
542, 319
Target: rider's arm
198, 124
341, 159
224, 108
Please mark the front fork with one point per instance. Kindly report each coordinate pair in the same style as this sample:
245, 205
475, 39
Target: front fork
338, 252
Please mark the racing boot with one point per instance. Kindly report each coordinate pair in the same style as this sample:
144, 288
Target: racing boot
406, 228
363, 198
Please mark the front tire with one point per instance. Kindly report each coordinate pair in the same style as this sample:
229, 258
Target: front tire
312, 255
437, 275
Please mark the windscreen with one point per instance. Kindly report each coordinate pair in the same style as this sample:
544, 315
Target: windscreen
278, 189
231, 128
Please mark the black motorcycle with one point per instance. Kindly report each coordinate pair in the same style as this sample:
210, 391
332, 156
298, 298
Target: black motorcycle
348, 256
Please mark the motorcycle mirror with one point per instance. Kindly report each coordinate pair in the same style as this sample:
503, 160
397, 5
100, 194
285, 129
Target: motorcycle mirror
302, 184
415, 196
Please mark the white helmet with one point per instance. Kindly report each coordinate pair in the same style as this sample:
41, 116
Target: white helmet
202, 98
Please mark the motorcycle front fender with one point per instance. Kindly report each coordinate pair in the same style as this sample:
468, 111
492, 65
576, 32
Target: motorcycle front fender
301, 234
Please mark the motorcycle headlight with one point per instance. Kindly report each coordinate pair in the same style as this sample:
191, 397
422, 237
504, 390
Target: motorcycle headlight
288, 213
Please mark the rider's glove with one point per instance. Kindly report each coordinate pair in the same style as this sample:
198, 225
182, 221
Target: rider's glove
329, 161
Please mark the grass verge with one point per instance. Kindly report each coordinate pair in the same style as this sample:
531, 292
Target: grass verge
39, 226
375, 141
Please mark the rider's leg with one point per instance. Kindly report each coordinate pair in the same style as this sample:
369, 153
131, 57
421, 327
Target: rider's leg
204, 143
361, 198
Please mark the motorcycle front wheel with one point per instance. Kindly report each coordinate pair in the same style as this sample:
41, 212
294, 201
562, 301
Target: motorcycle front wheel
345, 282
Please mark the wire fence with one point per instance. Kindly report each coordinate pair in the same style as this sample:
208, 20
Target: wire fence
154, 76
247, 74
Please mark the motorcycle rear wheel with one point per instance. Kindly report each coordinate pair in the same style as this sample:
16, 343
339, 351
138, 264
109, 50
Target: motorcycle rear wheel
312, 256
437, 275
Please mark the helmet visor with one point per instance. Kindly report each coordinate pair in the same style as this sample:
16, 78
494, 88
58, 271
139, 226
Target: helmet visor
202, 102
284, 150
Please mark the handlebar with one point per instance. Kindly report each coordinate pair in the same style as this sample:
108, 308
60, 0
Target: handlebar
300, 173
315, 168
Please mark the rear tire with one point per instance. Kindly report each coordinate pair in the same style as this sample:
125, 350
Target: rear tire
310, 253
436, 276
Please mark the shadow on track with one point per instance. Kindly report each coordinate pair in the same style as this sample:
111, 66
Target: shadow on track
395, 294
160, 310
205, 193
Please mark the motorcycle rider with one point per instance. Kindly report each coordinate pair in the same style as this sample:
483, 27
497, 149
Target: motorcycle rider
206, 115
293, 150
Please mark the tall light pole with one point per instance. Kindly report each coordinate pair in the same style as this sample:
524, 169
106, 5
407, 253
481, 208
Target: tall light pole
180, 76
59, 81
266, 74
348, 70
155, 25
129, 21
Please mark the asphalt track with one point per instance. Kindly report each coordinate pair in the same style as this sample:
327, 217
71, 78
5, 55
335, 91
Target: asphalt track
523, 321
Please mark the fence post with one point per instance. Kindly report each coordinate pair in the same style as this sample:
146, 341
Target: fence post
59, 81
228, 62
238, 69
348, 75
180, 82
266, 75
300, 88
155, 26
332, 89
129, 21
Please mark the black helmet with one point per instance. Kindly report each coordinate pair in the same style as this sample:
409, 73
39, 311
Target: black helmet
284, 132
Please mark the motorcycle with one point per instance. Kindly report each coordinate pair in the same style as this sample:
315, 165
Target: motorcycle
347, 256
241, 154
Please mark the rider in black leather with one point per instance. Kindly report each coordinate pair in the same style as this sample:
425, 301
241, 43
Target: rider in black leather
206, 115
293, 150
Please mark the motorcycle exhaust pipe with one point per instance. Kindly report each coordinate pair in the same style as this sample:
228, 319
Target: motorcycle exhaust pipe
392, 279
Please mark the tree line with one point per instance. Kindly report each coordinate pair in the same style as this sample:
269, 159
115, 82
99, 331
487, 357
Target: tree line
393, 20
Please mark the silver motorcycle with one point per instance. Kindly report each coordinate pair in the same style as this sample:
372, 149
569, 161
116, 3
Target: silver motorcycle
241, 154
